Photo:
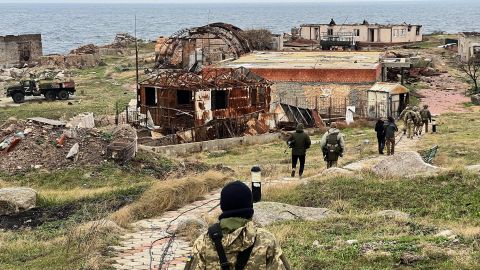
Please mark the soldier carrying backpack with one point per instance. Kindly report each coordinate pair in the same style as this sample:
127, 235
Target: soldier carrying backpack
333, 145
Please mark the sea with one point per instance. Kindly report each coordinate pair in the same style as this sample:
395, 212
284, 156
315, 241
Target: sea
66, 26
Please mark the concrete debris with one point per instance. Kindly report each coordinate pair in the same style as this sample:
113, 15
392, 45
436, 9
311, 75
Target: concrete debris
269, 212
404, 164
336, 172
123, 40
39, 146
473, 168
16, 200
124, 145
73, 151
83, 120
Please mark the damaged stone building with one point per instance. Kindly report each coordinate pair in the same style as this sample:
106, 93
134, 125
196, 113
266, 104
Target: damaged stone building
191, 48
16, 51
363, 34
215, 104
469, 45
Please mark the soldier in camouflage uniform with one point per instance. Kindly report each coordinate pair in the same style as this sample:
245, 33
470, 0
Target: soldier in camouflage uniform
426, 117
239, 237
402, 117
332, 145
417, 122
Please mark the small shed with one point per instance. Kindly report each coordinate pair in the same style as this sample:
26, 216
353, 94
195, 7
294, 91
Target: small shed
387, 99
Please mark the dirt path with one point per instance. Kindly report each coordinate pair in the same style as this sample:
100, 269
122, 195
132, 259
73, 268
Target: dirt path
445, 94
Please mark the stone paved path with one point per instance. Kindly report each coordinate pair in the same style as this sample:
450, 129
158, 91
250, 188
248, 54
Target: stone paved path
134, 251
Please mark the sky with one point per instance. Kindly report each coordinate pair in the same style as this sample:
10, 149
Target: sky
193, 1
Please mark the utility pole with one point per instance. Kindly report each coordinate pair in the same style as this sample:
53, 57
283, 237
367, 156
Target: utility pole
136, 65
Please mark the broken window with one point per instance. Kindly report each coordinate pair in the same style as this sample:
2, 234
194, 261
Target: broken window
261, 96
330, 32
402, 32
395, 33
356, 32
219, 99
150, 96
184, 97
253, 96
418, 31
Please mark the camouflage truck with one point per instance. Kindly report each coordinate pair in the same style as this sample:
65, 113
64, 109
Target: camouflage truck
51, 90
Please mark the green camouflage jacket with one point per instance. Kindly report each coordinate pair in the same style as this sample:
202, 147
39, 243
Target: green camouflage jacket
266, 253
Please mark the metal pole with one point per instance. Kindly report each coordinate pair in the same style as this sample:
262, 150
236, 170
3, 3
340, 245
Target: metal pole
136, 64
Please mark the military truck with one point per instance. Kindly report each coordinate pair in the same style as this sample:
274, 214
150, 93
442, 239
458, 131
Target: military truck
50, 90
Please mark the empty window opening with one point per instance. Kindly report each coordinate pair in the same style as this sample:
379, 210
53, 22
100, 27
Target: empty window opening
184, 97
253, 96
356, 32
418, 31
330, 32
219, 100
150, 96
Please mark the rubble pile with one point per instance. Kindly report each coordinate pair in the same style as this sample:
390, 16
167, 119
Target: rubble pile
86, 49
26, 145
123, 40
38, 73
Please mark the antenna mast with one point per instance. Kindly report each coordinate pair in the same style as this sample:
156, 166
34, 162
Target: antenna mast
136, 64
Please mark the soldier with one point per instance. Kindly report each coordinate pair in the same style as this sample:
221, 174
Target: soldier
299, 142
390, 129
409, 122
235, 242
380, 130
417, 130
333, 145
426, 117
402, 117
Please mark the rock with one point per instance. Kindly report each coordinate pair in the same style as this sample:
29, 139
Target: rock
17, 200
473, 168
336, 172
73, 151
408, 258
316, 244
16, 73
404, 164
392, 214
363, 164
83, 120
352, 241
6, 78
475, 99
446, 234
269, 212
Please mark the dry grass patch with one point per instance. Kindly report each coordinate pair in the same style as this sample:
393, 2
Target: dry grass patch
170, 194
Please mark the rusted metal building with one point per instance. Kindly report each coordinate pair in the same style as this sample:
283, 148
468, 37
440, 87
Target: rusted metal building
215, 104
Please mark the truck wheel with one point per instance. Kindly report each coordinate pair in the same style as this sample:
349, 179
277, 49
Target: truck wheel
50, 95
18, 97
63, 95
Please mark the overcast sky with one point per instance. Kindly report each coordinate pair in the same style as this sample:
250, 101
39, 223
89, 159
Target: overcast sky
190, 1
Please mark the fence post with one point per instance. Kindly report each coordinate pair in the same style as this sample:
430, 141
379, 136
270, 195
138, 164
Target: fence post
126, 115
296, 101
330, 109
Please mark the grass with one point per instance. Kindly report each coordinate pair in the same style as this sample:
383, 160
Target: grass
380, 244
275, 162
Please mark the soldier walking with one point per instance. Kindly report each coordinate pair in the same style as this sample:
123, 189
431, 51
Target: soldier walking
333, 145
380, 129
403, 115
299, 142
390, 129
417, 130
426, 117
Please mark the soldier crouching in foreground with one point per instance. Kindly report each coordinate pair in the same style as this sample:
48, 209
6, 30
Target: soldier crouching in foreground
235, 242
333, 145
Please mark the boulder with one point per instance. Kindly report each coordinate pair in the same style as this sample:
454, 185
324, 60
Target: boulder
17, 200
404, 164
269, 212
363, 164
392, 214
336, 172
473, 168
447, 234
475, 99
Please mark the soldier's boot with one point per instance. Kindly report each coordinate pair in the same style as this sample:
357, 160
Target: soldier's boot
293, 173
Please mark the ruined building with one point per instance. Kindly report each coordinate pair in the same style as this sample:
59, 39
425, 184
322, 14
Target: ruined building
192, 48
363, 34
469, 45
215, 104
16, 51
